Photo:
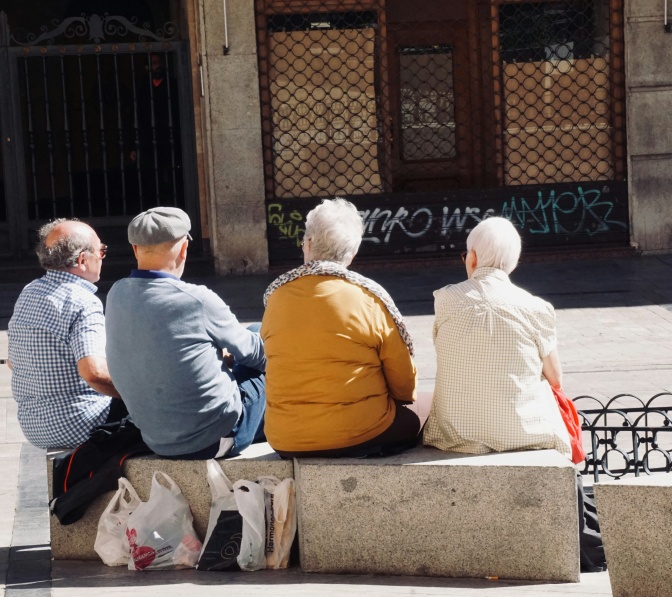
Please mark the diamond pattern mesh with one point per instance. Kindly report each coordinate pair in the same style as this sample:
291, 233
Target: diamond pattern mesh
323, 104
561, 92
539, 97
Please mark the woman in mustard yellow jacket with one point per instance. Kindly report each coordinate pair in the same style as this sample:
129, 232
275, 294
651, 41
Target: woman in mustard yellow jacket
340, 373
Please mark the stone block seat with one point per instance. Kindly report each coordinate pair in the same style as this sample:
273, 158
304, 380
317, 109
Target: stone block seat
424, 512
636, 523
431, 513
75, 541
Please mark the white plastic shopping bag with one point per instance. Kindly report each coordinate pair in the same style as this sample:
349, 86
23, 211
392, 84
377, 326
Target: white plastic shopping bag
111, 544
280, 502
225, 526
160, 531
235, 537
250, 502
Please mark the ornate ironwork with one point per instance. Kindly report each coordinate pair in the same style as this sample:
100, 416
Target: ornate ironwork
626, 436
95, 28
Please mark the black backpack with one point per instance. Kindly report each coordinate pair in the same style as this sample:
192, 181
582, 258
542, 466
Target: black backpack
92, 468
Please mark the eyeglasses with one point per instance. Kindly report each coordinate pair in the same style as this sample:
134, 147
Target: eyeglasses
464, 254
100, 252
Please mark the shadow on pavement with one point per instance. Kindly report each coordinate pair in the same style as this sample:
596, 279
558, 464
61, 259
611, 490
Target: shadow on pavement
616, 282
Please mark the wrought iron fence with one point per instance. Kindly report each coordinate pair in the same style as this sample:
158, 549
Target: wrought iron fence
358, 99
625, 435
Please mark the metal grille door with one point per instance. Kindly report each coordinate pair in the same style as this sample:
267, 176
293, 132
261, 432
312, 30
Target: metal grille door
101, 123
434, 114
102, 138
562, 90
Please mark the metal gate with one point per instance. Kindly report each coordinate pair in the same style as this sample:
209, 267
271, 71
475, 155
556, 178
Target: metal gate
97, 124
431, 115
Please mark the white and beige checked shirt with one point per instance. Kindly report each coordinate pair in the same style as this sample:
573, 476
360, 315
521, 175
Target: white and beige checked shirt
490, 395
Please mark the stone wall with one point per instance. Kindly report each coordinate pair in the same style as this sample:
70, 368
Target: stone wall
649, 124
233, 131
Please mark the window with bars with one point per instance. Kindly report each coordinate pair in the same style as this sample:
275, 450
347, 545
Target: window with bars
427, 102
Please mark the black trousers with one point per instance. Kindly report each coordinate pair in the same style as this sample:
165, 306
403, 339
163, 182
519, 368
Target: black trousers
401, 435
117, 412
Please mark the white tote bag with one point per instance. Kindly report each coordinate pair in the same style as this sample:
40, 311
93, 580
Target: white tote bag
280, 503
111, 544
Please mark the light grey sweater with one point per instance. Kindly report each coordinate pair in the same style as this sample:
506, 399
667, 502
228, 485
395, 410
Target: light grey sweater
164, 352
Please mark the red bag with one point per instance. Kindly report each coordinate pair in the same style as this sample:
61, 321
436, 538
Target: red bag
571, 419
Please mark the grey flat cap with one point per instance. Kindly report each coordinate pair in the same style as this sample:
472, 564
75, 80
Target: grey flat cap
159, 225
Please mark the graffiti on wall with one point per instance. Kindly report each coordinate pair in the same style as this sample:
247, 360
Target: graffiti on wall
570, 213
288, 225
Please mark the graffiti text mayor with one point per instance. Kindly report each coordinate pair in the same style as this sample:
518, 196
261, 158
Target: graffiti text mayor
583, 212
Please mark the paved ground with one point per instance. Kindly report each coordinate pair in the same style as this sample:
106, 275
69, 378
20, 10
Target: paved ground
615, 329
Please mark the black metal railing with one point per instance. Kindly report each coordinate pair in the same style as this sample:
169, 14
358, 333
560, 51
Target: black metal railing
625, 435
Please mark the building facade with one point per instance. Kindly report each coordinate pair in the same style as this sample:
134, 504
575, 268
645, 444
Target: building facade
428, 115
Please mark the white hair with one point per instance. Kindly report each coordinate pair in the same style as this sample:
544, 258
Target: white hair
334, 229
496, 243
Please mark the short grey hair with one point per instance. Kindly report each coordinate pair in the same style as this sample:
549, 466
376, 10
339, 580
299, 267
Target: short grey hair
62, 254
334, 229
496, 243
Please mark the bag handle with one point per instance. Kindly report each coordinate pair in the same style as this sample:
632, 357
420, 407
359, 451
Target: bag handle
169, 483
285, 488
219, 483
128, 490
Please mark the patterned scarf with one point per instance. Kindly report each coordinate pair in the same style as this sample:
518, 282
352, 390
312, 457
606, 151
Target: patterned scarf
331, 268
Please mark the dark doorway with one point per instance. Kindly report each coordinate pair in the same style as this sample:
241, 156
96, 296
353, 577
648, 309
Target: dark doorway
101, 120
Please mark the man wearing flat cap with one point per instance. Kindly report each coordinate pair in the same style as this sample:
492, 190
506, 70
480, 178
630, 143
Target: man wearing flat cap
168, 345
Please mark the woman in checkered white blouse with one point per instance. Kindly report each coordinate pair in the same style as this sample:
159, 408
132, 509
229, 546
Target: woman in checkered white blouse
497, 359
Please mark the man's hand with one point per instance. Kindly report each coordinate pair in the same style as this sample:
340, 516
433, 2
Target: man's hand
229, 359
93, 370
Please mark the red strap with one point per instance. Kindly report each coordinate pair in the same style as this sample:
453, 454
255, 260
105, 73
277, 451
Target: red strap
67, 473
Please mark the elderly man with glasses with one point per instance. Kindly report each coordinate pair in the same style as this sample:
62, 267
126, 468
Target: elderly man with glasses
57, 342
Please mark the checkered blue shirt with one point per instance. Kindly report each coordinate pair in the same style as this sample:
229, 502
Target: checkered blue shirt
57, 321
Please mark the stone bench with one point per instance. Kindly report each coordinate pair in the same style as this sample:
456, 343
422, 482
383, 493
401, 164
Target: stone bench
431, 513
424, 512
636, 523
75, 541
